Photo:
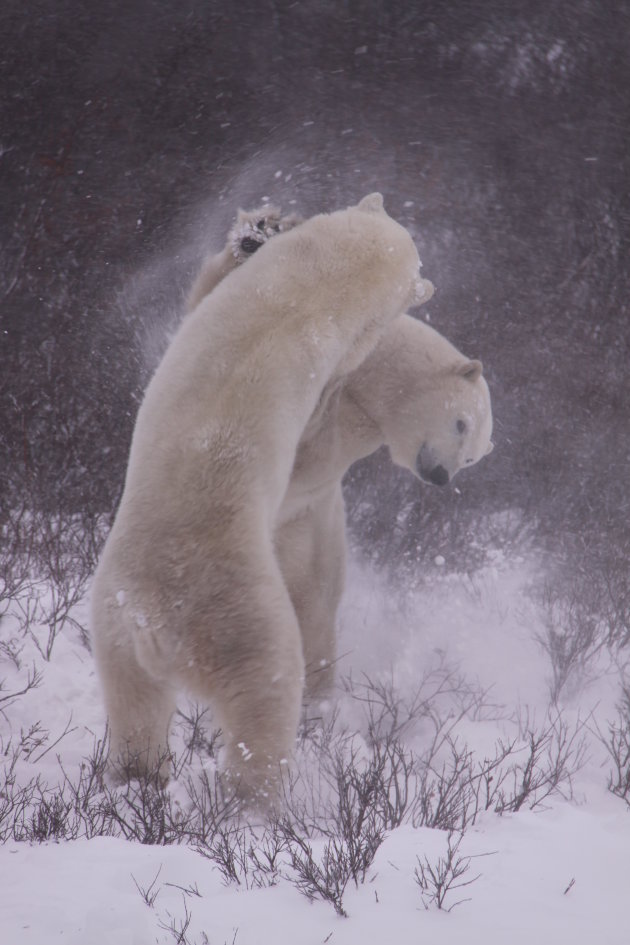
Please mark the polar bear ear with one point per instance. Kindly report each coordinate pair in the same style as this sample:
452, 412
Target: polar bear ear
423, 291
471, 370
490, 447
373, 203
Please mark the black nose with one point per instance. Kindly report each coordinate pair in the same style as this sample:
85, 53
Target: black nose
438, 476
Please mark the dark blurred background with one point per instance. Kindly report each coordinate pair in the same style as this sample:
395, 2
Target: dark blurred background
499, 135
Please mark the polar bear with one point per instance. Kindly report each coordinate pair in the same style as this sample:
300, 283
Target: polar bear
415, 393
188, 592
430, 405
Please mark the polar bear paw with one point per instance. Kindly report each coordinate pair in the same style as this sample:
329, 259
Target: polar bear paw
255, 227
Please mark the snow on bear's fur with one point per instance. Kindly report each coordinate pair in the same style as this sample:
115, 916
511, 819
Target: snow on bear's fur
188, 592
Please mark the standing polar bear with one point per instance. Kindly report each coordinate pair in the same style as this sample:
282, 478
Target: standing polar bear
415, 393
189, 592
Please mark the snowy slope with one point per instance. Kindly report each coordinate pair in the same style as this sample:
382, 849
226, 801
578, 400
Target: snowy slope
555, 874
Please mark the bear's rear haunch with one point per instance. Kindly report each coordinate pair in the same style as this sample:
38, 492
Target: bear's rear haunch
188, 593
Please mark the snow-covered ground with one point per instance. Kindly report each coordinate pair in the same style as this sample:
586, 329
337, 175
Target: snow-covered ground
557, 873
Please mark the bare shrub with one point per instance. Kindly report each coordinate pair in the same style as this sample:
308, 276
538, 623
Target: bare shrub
363, 793
444, 796
66, 555
84, 804
574, 632
453, 787
617, 742
48, 560
438, 880
446, 786
149, 893
16, 539
245, 856
389, 713
355, 820
179, 927
33, 680
211, 806
367, 789
325, 877
552, 757
357, 800
585, 611
16, 802
616, 596
65, 811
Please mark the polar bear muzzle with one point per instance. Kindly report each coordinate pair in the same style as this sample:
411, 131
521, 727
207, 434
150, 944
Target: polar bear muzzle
438, 476
429, 470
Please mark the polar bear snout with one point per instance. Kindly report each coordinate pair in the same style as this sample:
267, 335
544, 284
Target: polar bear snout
439, 476
429, 470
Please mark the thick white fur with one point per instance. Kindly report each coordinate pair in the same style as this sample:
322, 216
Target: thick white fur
409, 394
189, 592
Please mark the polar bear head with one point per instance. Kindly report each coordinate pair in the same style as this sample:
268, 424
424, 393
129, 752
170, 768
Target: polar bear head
456, 425
430, 403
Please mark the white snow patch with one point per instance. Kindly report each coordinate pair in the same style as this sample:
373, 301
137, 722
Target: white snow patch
559, 875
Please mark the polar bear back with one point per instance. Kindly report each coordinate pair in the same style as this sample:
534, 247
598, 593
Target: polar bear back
247, 367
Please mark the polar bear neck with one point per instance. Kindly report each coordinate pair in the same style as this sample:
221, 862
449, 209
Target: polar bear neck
363, 432
339, 434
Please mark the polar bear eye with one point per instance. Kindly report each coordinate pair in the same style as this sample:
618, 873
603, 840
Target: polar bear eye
461, 426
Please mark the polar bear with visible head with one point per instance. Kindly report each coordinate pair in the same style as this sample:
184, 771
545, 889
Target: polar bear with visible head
188, 592
430, 405
415, 393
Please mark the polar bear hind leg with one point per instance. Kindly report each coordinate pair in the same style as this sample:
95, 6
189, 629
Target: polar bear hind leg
311, 549
139, 708
252, 676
